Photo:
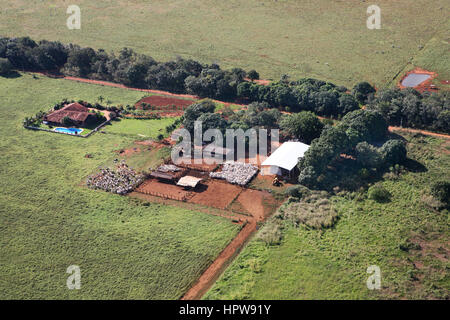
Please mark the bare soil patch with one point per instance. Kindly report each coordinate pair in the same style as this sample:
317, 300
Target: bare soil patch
215, 194
164, 190
165, 102
260, 204
128, 152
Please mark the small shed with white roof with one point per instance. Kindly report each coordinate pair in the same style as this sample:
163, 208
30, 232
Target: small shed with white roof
283, 161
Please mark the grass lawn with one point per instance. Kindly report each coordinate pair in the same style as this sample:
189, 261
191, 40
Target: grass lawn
310, 264
125, 248
139, 128
324, 39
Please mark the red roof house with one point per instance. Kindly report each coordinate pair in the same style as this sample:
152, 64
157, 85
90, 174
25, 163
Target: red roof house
78, 113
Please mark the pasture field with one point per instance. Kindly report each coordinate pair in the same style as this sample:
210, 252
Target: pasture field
125, 248
406, 238
140, 128
323, 39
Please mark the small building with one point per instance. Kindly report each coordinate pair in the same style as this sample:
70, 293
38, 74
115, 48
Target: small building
189, 182
76, 112
283, 161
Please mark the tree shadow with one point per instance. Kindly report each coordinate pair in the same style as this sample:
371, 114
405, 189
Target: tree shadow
11, 75
414, 166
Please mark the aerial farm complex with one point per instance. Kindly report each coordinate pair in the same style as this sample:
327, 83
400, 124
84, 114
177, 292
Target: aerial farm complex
245, 150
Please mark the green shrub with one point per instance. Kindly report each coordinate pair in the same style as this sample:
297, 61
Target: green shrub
315, 212
297, 191
271, 232
394, 152
378, 193
441, 191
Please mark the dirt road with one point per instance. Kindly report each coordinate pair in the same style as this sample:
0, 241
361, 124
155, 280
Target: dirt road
213, 272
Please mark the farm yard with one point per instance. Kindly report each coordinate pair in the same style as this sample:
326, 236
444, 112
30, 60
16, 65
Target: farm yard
359, 175
165, 247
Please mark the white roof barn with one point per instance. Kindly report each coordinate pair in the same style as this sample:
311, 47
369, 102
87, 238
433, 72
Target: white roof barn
284, 157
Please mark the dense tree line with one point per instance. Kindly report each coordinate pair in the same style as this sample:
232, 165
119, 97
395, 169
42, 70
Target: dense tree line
322, 98
128, 67
352, 136
410, 108
407, 108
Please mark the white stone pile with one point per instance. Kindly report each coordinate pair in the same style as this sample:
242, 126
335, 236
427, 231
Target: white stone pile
236, 172
121, 181
168, 168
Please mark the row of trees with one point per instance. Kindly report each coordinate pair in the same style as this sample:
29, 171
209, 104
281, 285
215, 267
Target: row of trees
304, 126
322, 98
128, 67
410, 108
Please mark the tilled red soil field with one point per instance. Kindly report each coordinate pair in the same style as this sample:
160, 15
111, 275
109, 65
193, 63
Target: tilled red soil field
165, 103
215, 194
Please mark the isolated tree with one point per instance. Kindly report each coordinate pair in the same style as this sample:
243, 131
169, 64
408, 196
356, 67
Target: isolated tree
304, 126
362, 90
368, 156
441, 191
394, 152
253, 75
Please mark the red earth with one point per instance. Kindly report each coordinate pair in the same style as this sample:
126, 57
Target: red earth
165, 102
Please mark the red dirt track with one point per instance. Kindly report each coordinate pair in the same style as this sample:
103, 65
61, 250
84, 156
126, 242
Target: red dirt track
424, 132
220, 263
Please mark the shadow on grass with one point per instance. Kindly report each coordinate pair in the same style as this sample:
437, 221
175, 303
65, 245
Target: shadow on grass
11, 75
414, 166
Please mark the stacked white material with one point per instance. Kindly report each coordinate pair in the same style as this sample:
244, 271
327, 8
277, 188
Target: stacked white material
121, 181
168, 168
236, 173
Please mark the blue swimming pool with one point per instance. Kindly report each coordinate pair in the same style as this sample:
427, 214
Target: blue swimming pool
69, 130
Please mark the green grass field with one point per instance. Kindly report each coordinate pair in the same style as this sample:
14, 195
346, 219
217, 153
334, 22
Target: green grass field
324, 39
140, 129
125, 248
310, 264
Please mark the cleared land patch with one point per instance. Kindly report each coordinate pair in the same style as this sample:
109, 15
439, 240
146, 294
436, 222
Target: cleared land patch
216, 194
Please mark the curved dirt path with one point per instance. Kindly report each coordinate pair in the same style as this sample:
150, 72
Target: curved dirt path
212, 273
118, 85
424, 132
